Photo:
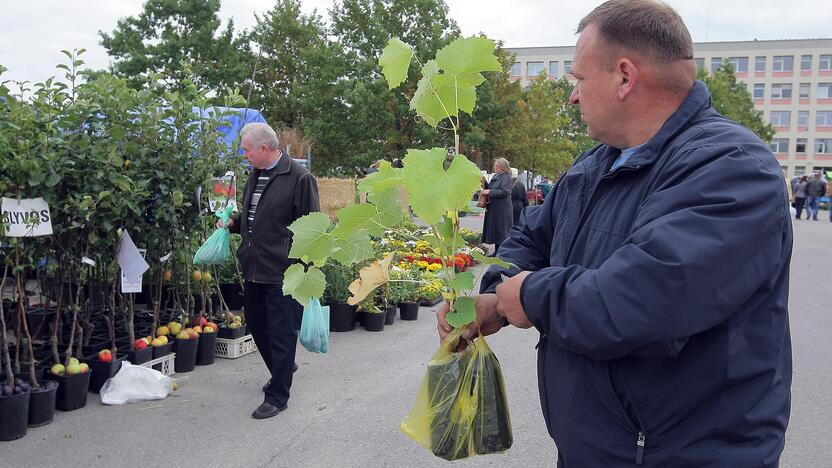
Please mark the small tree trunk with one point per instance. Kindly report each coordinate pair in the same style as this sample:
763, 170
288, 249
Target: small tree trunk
21, 310
4, 348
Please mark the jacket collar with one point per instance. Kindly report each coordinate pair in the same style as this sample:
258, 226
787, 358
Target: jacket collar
283, 164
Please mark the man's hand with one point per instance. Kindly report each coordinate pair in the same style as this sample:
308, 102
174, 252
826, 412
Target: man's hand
489, 320
486, 191
509, 305
228, 225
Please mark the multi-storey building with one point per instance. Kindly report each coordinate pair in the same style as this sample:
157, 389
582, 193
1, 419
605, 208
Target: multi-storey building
789, 80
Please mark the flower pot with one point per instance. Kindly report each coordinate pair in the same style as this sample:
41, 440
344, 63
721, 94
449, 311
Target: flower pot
42, 403
341, 317
408, 310
185, 359
360, 316
232, 294
207, 349
101, 371
431, 302
72, 390
374, 322
138, 357
38, 321
14, 416
389, 315
231, 333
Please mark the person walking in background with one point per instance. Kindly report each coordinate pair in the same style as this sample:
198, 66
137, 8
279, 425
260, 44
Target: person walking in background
800, 195
815, 189
498, 214
278, 192
519, 197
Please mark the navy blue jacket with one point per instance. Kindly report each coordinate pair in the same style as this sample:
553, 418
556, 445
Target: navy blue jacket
660, 292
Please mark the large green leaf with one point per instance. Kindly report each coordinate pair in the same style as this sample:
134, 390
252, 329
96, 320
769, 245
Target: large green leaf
463, 281
310, 241
390, 212
303, 285
461, 97
395, 60
386, 177
491, 260
357, 218
465, 311
466, 58
356, 249
428, 101
446, 190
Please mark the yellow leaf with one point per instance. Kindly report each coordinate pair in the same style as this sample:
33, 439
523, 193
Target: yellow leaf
370, 277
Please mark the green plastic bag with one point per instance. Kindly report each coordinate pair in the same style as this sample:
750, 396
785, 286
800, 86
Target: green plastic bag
314, 329
461, 409
216, 249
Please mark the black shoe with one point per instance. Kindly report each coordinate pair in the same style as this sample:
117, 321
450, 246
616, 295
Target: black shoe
267, 410
266, 385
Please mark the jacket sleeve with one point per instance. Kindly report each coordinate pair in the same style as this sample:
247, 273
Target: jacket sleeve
702, 243
527, 245
306, 196
500, 189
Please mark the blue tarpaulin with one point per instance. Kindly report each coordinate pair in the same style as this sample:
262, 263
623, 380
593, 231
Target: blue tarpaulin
235, 117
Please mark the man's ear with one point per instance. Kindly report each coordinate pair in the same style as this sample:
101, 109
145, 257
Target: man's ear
628, 77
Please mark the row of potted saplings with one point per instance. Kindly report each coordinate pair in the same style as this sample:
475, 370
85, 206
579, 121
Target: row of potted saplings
31, 403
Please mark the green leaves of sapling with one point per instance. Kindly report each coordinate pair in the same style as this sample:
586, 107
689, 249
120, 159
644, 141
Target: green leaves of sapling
395, 60
464, 312
303, 284
432, 190
311, 241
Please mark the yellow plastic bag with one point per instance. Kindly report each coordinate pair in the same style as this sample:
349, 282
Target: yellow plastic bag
461, 409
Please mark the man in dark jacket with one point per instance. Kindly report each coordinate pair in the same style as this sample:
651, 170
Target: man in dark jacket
519, 197
498, 211
278, 192
816, 189
657, 271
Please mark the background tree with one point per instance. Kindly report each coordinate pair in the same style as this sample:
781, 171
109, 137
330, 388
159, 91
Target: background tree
168, 33
732, 99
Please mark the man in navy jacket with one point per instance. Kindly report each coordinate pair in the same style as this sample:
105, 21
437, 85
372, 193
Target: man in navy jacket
656, 272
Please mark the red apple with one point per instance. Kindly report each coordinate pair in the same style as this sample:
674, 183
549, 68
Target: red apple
105, 355
140, 344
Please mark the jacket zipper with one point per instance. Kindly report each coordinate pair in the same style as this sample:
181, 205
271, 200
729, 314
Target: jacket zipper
636, 426
640, 443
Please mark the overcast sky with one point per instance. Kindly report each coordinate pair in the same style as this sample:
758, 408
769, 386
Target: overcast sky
32, 32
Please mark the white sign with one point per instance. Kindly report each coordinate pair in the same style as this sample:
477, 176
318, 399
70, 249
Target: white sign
28, 217
223, 193
132, 286
130, 259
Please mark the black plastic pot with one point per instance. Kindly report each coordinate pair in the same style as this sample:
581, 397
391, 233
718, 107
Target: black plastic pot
389, 315
431, 302
408, 310
101, 371
14, 416
207, 349
374, 322
185, 359
72, 390
232, 294
231, 333
360, 317
138, 357
164, 350
341, 317
42, 403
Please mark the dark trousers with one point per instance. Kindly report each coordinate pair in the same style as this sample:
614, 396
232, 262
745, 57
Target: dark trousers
274, 321
798, 206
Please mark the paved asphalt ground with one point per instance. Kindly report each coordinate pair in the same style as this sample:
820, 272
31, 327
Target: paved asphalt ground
347, 405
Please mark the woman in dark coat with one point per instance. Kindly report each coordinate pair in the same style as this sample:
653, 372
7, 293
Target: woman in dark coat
499, 213
519, 197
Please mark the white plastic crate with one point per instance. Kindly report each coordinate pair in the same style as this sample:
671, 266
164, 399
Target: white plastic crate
165, 361
232, 349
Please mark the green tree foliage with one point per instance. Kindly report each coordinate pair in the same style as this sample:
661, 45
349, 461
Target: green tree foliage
170, 33
732, 99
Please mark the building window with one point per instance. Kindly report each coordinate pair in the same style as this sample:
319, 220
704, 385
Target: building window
823, 118
780, 145
781, 118
805, 62
567, 66
799, 170
825, 62
700, 63
823, 145
803, 119
781, 91
800, 145
804, 90
740, 64
715, 63
783, 63
760, 63
824, 90
533, 69
759, 90
515, 69
554, 68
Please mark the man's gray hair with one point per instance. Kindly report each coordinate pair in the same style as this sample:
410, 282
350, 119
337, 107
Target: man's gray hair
260, 133
503, 163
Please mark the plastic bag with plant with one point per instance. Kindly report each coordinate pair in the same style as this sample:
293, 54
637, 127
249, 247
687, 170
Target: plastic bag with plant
314, 328
215, 250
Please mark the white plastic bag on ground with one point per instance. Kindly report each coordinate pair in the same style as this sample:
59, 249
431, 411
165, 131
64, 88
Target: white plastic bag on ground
135, 383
